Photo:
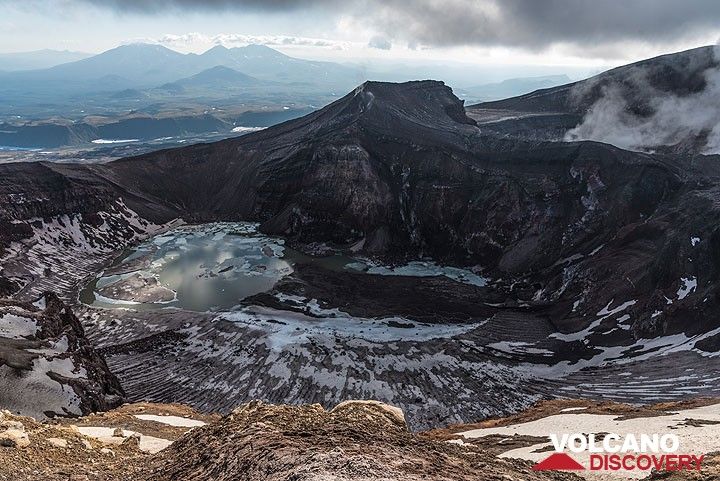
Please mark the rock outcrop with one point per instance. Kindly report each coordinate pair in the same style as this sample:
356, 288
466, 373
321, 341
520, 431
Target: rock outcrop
354, 441
47, 366
399, 171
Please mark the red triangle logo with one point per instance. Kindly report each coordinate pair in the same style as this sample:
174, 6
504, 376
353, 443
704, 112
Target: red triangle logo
558, 462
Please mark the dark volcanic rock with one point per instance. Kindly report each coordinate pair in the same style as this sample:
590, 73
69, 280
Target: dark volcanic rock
47, 365
59, 223
8, 287
44, 189
435, 300
399, 171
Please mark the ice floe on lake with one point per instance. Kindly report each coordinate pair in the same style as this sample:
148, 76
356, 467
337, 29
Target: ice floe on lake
203, 268
425, 269
213, 267
288, 327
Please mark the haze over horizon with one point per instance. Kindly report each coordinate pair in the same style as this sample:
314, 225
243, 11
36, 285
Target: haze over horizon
579, 37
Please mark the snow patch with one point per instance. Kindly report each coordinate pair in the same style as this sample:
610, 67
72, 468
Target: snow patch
604, 313
693, 439
114, 141
176, 421
689, 285
17, 327
148, 444
285, 328
568, 410
246, 130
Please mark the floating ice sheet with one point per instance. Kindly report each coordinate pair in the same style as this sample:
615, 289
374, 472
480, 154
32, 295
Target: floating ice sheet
428, 269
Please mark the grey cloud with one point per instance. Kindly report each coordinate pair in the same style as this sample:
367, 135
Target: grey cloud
152, 6
530, 24
233, 39
538, 24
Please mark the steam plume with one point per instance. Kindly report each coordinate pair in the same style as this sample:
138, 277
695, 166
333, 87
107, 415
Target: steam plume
674, 119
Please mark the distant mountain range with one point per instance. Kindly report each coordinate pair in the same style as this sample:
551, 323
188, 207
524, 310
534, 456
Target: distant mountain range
146, 66
218, 77
89, 98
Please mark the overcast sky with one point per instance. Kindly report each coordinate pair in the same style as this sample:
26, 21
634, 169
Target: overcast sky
589, 33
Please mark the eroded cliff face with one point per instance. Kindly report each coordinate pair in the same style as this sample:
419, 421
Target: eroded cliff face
398, 172
62, 249
47, 366
611, 245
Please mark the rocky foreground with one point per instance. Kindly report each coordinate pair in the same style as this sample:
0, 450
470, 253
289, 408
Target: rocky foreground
696, 423
357, 440
115, 445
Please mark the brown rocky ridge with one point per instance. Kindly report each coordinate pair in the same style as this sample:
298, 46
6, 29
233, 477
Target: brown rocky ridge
356, 440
